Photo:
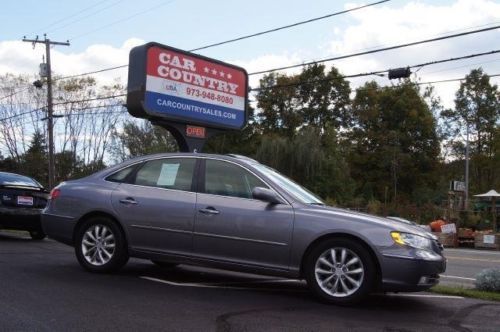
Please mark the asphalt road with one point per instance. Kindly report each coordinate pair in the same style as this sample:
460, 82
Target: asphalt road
43, 288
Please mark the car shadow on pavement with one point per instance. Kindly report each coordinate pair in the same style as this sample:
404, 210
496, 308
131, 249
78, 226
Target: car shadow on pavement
209, 278
7, 236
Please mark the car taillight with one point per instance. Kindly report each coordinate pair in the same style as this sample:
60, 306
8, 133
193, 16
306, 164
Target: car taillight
54, 193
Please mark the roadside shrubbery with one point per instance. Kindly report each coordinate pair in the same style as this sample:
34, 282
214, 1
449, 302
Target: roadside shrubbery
488, 280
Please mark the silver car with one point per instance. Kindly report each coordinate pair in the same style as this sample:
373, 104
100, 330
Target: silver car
234, 213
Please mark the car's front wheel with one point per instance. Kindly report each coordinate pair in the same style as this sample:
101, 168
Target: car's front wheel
100, 245
340, 271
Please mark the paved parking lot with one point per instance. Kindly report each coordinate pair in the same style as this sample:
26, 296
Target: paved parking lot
44, 289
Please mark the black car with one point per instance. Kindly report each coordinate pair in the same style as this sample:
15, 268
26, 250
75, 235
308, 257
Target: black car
22, 200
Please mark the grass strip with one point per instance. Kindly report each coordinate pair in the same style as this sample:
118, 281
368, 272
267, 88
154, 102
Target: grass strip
466, 292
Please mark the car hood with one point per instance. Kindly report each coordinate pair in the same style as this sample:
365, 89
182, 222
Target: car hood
367, 218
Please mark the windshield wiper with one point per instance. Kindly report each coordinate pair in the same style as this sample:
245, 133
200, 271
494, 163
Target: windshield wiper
320, 204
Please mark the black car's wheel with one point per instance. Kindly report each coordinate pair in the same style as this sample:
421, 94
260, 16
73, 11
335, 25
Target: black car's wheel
340, 271
100, 245
164, 264
37, 235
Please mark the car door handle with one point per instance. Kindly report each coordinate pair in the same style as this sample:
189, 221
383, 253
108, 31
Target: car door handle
209, 210
128, 201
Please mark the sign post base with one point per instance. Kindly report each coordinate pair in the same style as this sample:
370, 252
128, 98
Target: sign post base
189, 138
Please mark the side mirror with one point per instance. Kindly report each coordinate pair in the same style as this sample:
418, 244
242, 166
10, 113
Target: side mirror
266, 195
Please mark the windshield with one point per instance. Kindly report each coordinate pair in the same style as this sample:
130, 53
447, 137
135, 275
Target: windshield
299, 192
11, 179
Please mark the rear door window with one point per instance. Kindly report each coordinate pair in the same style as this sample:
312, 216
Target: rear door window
169, 173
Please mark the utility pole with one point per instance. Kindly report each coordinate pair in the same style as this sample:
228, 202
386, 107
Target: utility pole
50, 106
466, 192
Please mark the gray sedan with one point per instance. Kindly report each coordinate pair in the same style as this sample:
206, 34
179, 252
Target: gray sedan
233, 213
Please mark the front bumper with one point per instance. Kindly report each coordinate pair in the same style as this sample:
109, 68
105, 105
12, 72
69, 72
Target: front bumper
20, 218
409, 274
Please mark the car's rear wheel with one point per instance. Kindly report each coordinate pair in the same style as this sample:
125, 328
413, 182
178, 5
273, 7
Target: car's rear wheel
37, 235
100, 245
340, 271
164, 264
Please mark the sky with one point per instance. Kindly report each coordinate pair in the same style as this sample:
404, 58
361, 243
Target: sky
101, 34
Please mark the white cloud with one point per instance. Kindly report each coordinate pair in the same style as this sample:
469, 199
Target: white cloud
383, 25
386, 25
266, 62
20, 58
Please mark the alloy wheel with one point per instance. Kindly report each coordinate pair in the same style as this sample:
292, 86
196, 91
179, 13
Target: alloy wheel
98, 245
339, 272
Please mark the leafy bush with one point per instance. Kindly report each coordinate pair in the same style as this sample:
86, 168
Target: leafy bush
488, 280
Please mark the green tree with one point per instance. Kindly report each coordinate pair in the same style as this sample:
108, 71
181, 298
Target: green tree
395, 143
314, 98
312, 158
34, 162
477, 107
141, 138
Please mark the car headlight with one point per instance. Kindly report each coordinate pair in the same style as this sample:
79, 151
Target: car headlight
412, 240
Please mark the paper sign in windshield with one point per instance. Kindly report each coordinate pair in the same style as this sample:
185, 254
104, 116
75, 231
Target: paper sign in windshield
168, 174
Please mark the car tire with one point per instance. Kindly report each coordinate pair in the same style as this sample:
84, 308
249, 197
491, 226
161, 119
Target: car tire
37, 235
343, 280
100, 245
164, 264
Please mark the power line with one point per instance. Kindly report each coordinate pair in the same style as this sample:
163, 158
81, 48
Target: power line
123, 19
377, 50
91, 72
288, 26
323, 60
87, 16
90, 99
81, 100
73, 15
20, 114
433, 35
453, 80
235, 39
455, 59
379, 72
14, 93
95, 107
463, 66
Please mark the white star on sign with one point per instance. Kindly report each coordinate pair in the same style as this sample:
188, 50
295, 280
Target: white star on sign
221, 74
229, 76
206, 70
214, 71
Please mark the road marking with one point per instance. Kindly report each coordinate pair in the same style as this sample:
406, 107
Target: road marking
473, 259
456, 277
200, 285
429, 296
473, 251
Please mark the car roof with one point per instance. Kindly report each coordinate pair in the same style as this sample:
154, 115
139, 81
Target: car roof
229, 157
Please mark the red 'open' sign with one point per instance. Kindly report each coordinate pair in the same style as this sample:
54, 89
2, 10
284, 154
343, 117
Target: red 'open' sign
194, 131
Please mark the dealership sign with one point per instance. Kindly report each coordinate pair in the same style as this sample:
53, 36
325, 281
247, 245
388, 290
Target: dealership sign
170, 84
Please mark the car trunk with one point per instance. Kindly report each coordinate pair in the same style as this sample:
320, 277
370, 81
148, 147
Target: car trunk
23, 197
